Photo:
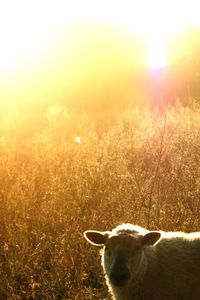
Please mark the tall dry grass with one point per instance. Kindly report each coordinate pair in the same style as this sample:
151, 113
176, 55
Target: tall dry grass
137, 167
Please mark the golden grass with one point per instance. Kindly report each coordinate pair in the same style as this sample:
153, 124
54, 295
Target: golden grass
61, 175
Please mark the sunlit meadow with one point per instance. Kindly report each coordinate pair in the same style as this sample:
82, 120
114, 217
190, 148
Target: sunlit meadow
67, 173
99, 125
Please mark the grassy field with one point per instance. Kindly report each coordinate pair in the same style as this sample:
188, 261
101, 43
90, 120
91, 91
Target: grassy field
62, 174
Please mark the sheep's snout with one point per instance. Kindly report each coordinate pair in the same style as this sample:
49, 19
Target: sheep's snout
119, 277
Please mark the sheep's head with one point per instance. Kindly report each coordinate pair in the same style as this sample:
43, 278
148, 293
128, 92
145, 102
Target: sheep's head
122, 253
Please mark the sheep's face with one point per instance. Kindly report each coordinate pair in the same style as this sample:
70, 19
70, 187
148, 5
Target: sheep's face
122, 253
122, 258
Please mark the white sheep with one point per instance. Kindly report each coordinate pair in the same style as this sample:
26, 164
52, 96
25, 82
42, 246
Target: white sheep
149, 265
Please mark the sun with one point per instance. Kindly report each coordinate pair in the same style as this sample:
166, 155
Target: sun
27, 26
162, 26
34, 65
164, 44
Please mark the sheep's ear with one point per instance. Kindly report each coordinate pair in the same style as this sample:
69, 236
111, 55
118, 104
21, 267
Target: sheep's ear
151, 238
96, 238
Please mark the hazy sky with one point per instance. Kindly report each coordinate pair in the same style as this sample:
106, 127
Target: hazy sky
35, 36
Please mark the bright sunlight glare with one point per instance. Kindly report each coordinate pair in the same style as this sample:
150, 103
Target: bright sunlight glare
158, 23
29, 31
26, 26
